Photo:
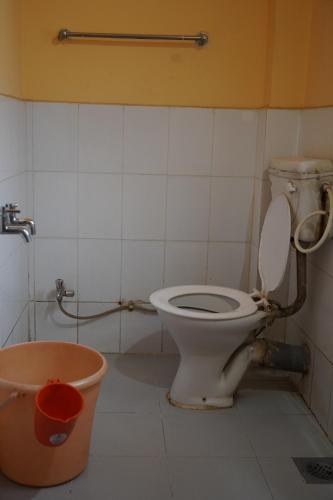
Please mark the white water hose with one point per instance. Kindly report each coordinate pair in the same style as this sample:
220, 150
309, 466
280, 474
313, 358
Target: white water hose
12, 396
327, 188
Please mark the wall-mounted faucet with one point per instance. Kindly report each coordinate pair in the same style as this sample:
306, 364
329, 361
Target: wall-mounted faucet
12, 224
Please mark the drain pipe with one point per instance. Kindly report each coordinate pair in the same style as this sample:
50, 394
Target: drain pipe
265, 353
301, 270
279, 355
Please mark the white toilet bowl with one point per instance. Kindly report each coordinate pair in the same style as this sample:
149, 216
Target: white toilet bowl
209, 324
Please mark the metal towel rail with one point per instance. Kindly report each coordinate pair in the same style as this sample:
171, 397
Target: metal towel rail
200, 38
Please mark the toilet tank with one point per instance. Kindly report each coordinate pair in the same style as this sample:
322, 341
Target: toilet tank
300, 179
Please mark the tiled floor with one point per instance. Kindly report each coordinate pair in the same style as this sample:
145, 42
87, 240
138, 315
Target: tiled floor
145, 449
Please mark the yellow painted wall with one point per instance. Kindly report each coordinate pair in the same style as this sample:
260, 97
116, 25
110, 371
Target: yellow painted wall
320, 76
229, 71
10, 82
275, 53
291, 31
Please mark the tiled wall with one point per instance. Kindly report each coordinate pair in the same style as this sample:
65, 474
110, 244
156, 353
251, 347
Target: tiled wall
132, 199
278, 134
314, 323
15, 186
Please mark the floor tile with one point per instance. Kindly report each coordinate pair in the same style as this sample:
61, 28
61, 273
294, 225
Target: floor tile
12, 491
286, 483
123, 478
217, 479
242, 453
206, 435
139, 367
286, 436
125, 434
129, 386
166, 369
262, 402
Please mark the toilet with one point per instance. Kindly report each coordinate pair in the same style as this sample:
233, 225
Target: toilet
210, 324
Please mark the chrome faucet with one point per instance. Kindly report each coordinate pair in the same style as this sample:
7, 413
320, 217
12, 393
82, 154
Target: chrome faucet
13, 210
61, 291
11, 224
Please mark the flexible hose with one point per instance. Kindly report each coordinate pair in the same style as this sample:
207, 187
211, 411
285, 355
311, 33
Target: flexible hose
129, 306
328, 227
12, 396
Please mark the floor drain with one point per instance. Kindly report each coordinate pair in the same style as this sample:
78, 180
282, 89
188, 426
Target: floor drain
316, 470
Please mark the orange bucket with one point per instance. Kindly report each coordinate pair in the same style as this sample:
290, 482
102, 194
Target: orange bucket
58, 407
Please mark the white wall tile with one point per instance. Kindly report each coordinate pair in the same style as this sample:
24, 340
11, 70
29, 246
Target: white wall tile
188, 208
100, 138
13, 131
316, 137
99, 270
8, 245
315, 317
32, 321
55, 204
140, 332
262, 199
142, 268
21, 330
14, 290
323, 257
330, 418
231, 209
29, 136
261, 138
321, 388
99, 205
294, 335
185, 263
17, 128
52, 324
55, 136
102, 334
228, 265
54, 258
191, 138
146, 140
282, 130
14, 189
8, 166
235, 135
253, 274
144, 207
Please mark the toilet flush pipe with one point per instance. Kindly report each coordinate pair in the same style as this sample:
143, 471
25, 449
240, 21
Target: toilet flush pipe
301, 272
328, 190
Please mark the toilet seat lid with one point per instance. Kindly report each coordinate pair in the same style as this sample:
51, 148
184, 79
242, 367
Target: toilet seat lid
274, 244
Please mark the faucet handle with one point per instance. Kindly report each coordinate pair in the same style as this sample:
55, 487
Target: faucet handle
12, 208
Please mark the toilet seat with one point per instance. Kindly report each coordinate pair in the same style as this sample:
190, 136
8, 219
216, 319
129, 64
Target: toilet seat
273, 258
245, 304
